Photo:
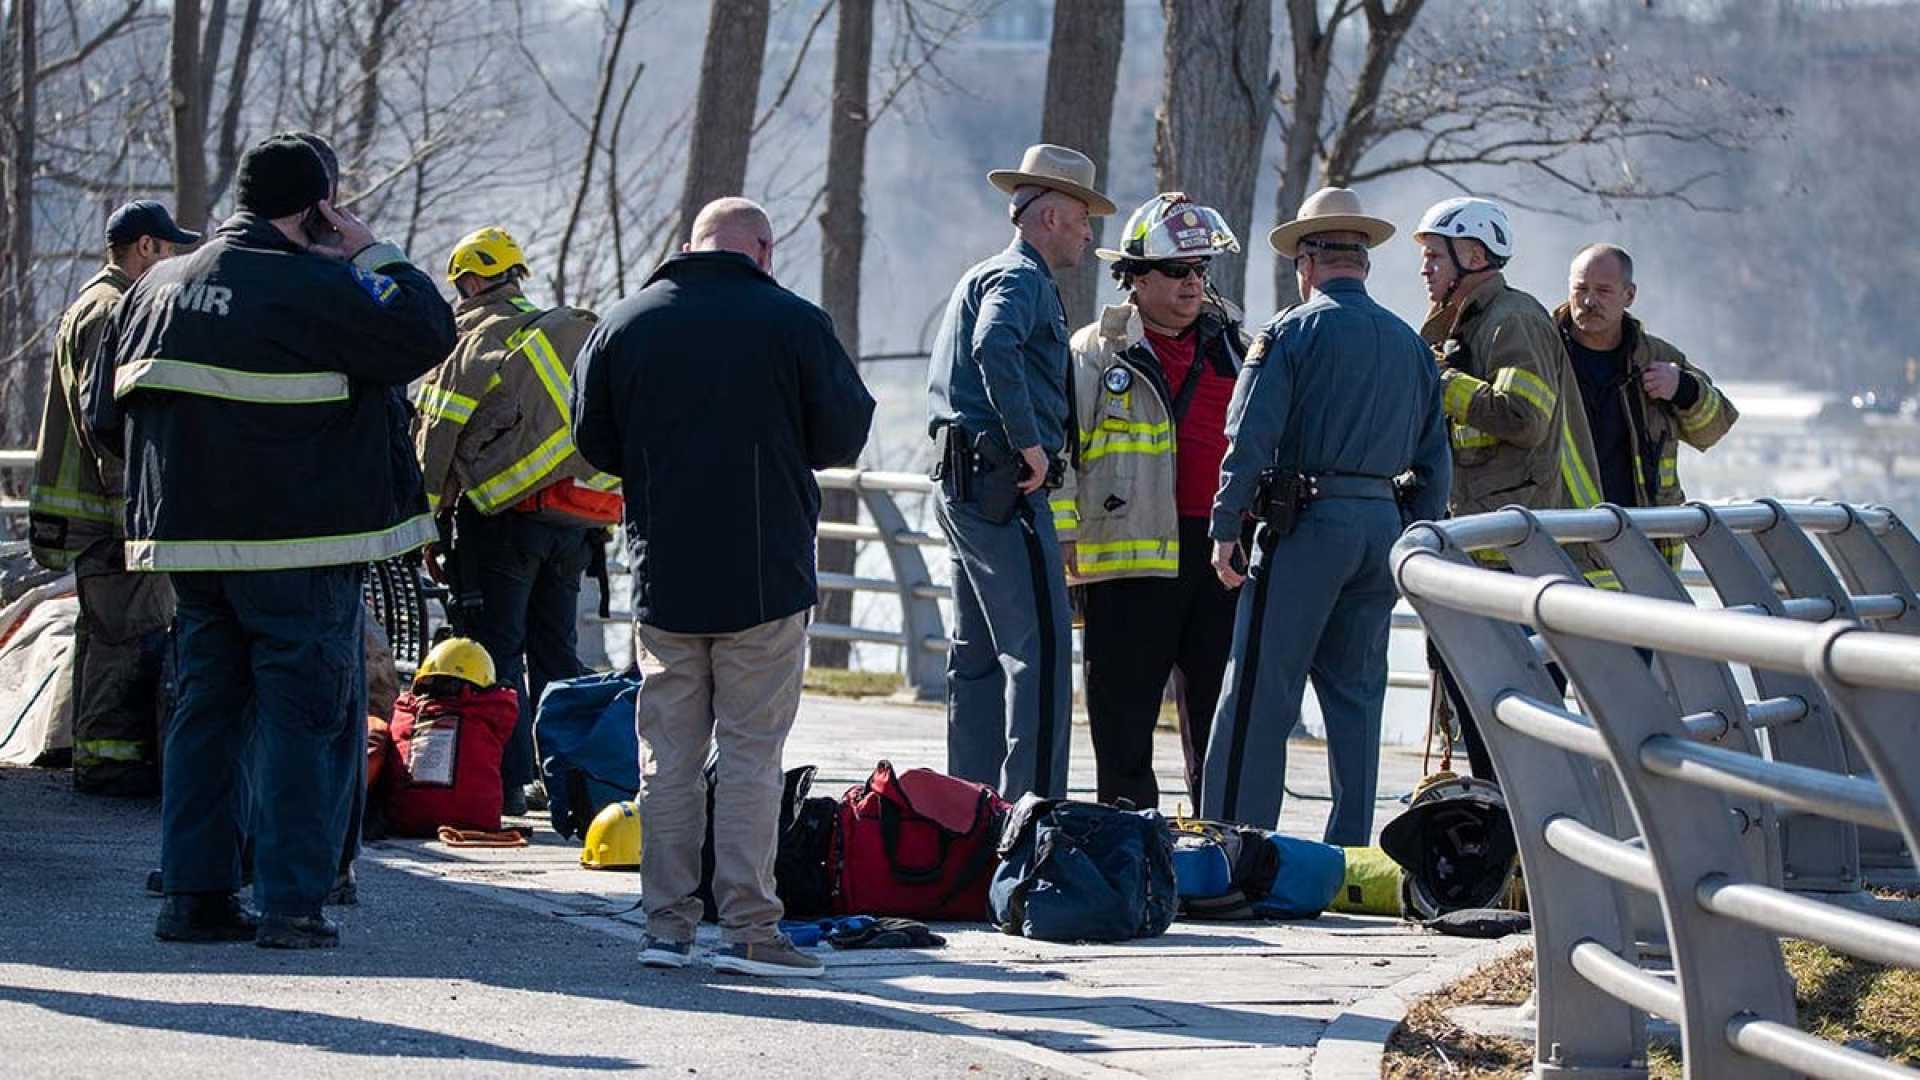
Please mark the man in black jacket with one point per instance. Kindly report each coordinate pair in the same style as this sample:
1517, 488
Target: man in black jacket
713, 394
250, 385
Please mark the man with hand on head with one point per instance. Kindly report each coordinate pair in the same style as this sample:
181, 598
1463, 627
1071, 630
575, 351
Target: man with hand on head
250, 384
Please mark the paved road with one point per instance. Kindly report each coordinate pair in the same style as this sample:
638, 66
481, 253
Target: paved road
476, 963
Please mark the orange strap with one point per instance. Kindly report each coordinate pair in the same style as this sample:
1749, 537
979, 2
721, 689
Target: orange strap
505, 838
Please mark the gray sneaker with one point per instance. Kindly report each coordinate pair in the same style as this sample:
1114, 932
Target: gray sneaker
660, 953
777, 959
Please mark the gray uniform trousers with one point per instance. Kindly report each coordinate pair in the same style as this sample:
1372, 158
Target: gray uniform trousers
1319, 603
1009, 670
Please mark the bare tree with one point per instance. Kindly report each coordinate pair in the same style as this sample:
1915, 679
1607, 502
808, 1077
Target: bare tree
843, 235
608, 73
723, 109
26, 373
190, 113
1213, 111
1083, 71
1536, 89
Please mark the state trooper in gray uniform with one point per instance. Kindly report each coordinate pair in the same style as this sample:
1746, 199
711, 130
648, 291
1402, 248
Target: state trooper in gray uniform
999, 414
1337, 399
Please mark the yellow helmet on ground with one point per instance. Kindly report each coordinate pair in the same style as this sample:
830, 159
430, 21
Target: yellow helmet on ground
488, 252
459, 658
613, 840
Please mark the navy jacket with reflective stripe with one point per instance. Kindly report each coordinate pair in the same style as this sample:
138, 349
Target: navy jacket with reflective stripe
259, 393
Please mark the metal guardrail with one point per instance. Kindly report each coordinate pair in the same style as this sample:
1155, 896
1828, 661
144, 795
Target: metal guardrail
1669, 784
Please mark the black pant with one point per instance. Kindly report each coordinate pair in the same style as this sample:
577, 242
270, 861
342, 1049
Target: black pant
1139, 631
525, 575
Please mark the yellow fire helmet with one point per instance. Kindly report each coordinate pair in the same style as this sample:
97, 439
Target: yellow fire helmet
613, 840
488, 252
459, 658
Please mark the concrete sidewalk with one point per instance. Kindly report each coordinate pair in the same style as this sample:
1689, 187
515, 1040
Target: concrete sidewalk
480, 962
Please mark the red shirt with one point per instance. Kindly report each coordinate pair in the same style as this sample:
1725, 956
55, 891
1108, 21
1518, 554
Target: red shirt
1202, 442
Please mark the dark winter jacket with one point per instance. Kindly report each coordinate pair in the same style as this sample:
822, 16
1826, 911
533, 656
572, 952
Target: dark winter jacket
258, 391
713, 394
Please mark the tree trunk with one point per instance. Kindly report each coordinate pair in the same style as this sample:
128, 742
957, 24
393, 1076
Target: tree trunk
1213, 113
227, 157
723, 109
843, 234
1312, 62
592, 152
30, 385
372, 54
1083, 68
189, 118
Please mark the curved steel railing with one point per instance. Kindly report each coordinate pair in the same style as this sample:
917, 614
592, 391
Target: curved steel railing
1669, 782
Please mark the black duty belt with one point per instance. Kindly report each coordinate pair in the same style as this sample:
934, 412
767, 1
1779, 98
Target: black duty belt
1348, 486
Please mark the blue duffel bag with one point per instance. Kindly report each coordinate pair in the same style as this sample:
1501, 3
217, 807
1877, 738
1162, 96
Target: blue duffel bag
1076, 871
589, 749
1309, 876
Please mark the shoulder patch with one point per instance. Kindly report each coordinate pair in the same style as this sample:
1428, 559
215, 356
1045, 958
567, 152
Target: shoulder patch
379, 286
1257, 352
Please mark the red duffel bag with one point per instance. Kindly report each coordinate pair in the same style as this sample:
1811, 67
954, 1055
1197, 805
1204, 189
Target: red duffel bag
917, 844
446, 764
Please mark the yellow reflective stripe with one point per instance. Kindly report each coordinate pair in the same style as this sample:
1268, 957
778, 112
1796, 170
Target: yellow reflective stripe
1703, 411
1531, 387
546, 364
522, 475
433, 501
1469, 438
341, 550
1134, 427
602, 482
523, 303
1603, 579
1582, 492
493, 382
1675, 551
439, 403
1066, 513
75, 504
1102, 447
1124, 546
206, 380
1116, 566
1490, 557
1669, 472
1459, 394
92, 750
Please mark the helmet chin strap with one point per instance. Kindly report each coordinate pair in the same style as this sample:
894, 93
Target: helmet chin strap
1460, 271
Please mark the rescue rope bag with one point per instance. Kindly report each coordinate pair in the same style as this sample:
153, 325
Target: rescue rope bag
446, 764
1079, 871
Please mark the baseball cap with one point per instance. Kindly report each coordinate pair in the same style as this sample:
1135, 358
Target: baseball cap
145, 217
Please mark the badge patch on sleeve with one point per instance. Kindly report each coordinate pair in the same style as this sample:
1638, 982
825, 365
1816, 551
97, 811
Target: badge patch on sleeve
1257, 352
1117, 379
379, 286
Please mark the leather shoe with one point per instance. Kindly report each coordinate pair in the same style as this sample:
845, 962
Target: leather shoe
204, 917
297, 932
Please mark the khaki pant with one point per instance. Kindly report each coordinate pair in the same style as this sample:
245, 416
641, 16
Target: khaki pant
740, 691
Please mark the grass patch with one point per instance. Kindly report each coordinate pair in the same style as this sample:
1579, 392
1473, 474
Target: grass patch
852, 684
1839, 998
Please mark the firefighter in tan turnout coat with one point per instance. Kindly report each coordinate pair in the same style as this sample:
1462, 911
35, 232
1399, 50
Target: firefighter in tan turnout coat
495, 441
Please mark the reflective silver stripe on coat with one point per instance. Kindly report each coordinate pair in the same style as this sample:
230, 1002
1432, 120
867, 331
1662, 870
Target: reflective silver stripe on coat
181, 376
189, 555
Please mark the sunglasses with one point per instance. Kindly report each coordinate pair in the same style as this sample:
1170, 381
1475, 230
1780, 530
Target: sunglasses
1180, 271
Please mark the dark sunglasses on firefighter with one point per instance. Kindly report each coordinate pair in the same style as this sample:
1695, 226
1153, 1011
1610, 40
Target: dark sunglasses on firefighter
1180, 271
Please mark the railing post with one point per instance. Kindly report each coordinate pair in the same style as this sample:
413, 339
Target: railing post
1582, 1031
1725, 969
1816, 854
1868, 567
920, 622
1806, 574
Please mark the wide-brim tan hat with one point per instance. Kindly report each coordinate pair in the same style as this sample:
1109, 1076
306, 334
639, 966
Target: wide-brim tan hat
1055, 168
1333, 209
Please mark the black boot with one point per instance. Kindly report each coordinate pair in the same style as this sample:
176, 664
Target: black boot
297, 932
204, 917
345, 891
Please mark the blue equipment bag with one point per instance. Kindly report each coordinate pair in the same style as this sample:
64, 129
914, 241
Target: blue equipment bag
1076, 871
1201, 868
589, 748
1310, 876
